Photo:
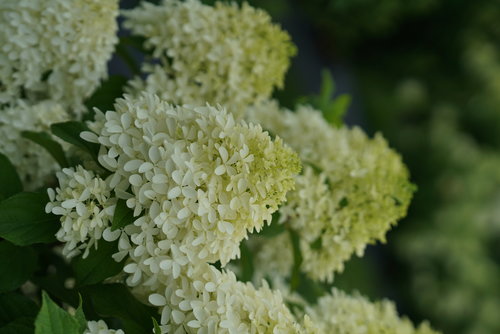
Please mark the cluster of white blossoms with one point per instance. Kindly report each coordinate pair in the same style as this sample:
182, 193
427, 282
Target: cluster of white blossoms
223, 54
85, 201
100, 327
351, 191
198, 182
33, 163
341, 313
55, 49
203, 178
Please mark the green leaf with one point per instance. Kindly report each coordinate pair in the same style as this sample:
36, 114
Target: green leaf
156, 327
123, 215
45, 140
273, 229
246, 263
54, 320
23, 220
297, 261
80, 316
334, 111
327, 87
9, 179
21, 325
13, 305
115, 300
317, 244
70, 132
20, 263
105, 96
98, 265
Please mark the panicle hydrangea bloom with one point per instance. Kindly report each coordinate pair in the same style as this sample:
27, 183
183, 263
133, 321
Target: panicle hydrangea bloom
33, 163
86, 205
100, 327
227, 54
341, 313
351, 191
202, 179
55, 49
229, 176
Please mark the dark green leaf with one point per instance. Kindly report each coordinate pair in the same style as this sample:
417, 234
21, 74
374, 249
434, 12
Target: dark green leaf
13, 305
123, 215
21, 325
53, 280
115, 300
98, 265
246, 262
105, 96
23, 220
45, 140
20, 263
70, 132
54, 320
297, 260
156, 327
9, 179
273, 229
317, 244
124, 53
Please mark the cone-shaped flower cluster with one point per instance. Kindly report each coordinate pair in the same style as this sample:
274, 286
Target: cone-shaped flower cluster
351, 191
227, 54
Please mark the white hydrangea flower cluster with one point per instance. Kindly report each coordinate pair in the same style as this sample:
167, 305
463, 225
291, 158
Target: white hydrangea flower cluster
204, 179
198, 181
86, 205
351, 191
226, 54
33, 163
341, 313
100, 327
56, 49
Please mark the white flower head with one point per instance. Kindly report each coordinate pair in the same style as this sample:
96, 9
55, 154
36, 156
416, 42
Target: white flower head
351, 191
341, 313
56, 49
226, 54
202, 178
